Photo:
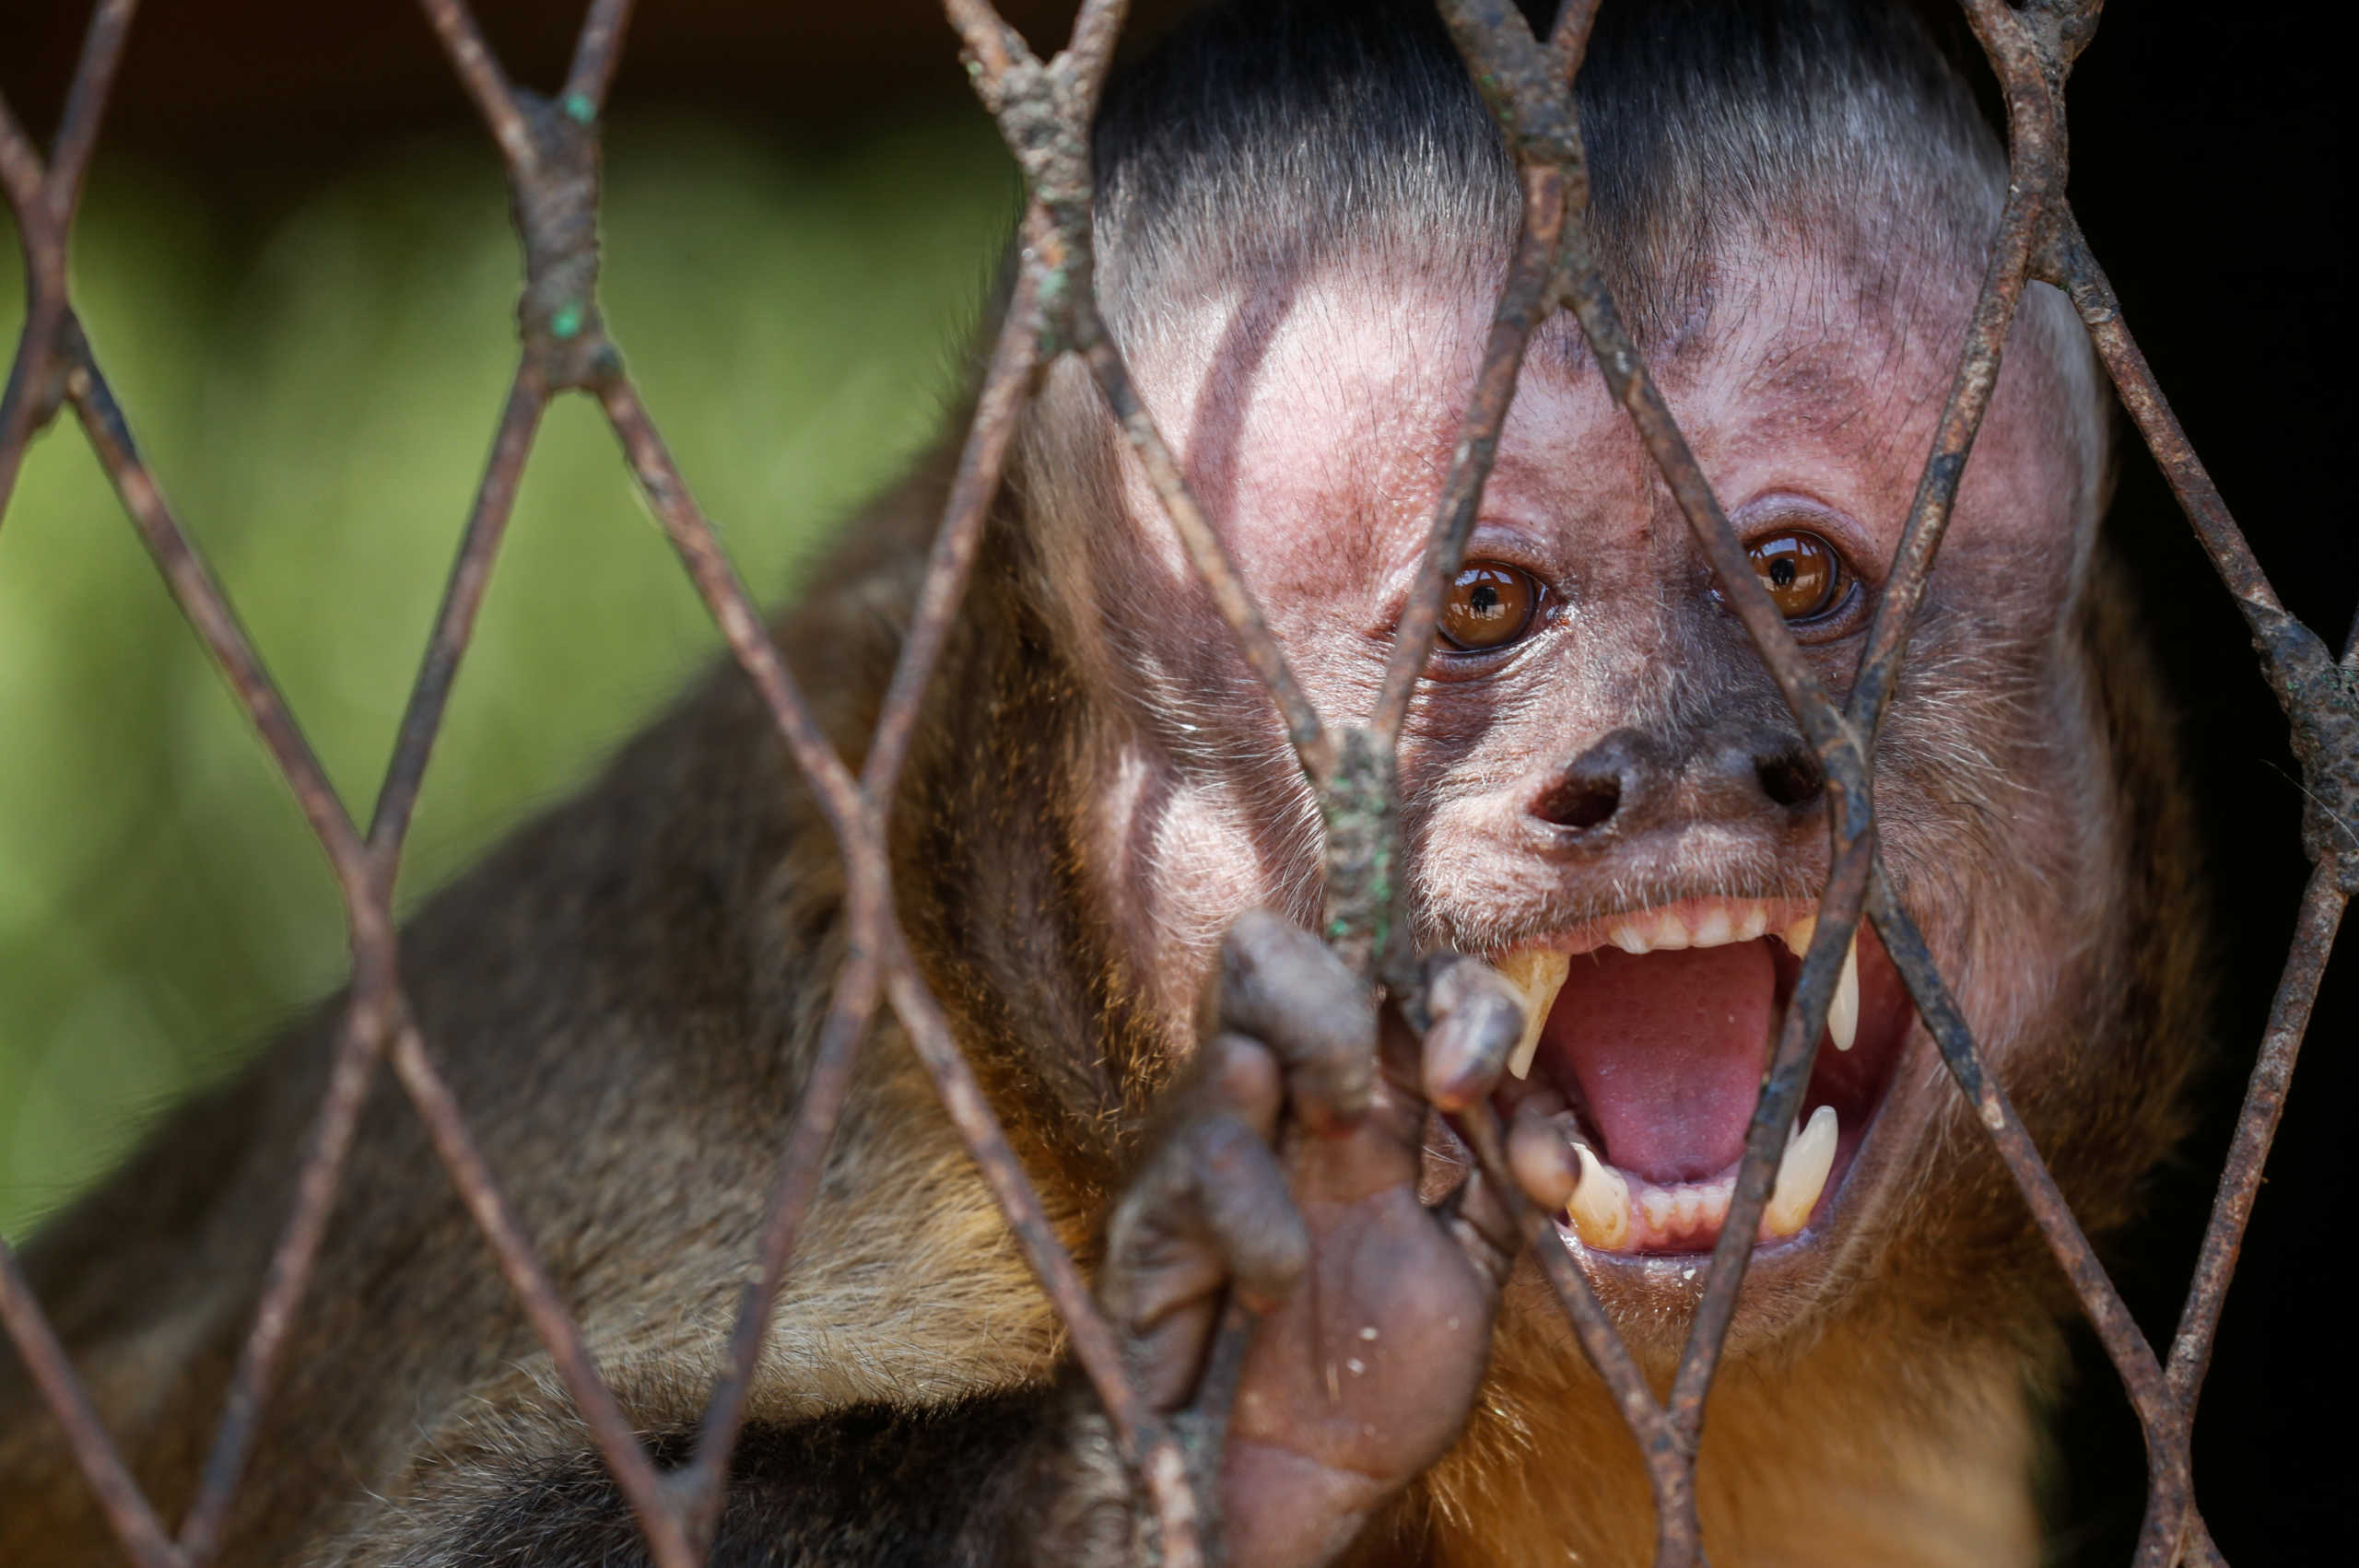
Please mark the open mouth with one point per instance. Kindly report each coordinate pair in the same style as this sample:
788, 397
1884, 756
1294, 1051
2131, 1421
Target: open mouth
1650, 1033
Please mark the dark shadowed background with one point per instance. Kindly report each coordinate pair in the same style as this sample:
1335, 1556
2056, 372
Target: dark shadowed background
294, 262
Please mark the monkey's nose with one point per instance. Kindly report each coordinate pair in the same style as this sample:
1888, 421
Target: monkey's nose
1630, 780
1616, 780
1776, 764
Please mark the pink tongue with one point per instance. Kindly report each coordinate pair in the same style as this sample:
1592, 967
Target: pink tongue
1667, 1048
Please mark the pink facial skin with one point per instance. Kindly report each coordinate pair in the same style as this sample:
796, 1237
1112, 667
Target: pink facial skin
1315, 420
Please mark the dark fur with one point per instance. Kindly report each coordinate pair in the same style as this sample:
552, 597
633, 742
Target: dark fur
939, 1464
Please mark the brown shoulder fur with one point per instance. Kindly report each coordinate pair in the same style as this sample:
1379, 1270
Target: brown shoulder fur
623, 997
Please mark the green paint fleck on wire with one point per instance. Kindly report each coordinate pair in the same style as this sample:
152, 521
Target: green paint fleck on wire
566, 323
579, 107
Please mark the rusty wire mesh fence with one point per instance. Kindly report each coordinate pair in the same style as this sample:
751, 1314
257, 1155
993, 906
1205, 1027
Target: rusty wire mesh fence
1044, 107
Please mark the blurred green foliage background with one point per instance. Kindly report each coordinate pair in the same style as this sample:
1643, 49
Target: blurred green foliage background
318, 401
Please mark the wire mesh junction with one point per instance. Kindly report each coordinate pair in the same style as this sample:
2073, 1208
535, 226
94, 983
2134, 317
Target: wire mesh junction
550, 145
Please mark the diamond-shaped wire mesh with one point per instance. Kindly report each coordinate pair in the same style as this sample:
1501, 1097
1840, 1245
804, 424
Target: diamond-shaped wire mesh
1044, 108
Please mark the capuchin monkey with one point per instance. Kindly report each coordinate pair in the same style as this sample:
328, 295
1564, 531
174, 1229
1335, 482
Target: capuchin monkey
1107, 861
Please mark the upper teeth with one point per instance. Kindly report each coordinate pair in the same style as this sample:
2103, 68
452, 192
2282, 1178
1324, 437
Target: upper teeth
1695, 923
1843, 1012
1537, 975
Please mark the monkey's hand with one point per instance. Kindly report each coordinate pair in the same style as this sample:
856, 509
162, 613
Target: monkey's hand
1372, 1312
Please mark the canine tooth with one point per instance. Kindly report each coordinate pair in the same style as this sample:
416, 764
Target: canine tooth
1798, 935
1601, 1205
1713, 930
1843, 1012
1801, 1174
1755, 921
1537, 975
1627, 937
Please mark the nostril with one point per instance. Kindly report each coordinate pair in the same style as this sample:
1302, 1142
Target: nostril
1606, 789
1580, 803
1791, 777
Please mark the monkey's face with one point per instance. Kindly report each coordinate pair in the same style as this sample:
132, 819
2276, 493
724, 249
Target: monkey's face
1603, 790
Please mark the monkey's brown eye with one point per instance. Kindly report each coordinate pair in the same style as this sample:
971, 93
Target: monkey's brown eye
1801, 571
1488, 606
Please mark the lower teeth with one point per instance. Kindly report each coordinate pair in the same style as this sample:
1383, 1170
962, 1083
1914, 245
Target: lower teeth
1608, 1214
1601, 1202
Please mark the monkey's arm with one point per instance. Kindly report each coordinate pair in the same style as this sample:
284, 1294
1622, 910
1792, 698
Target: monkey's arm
868, 1486
1027, 1477
1370, 1335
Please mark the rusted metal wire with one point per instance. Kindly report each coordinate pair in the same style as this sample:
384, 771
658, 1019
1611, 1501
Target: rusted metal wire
2272, 1074
1525, 300
2030, 63
1013, 367
360, 1040
43, 206
1044, 109
1669, 1452
454, 625
667, 1538
126, 1507
2167, 1489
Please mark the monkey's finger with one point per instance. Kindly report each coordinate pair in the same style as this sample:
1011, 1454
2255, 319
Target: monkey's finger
1478, 1020
1235, 1074
1485, 1227
1284, 986
1385, 1148
1540, 1156
1210, 1206
1249, 1213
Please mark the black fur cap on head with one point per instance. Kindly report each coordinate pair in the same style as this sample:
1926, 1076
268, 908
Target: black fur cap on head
1274, 134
